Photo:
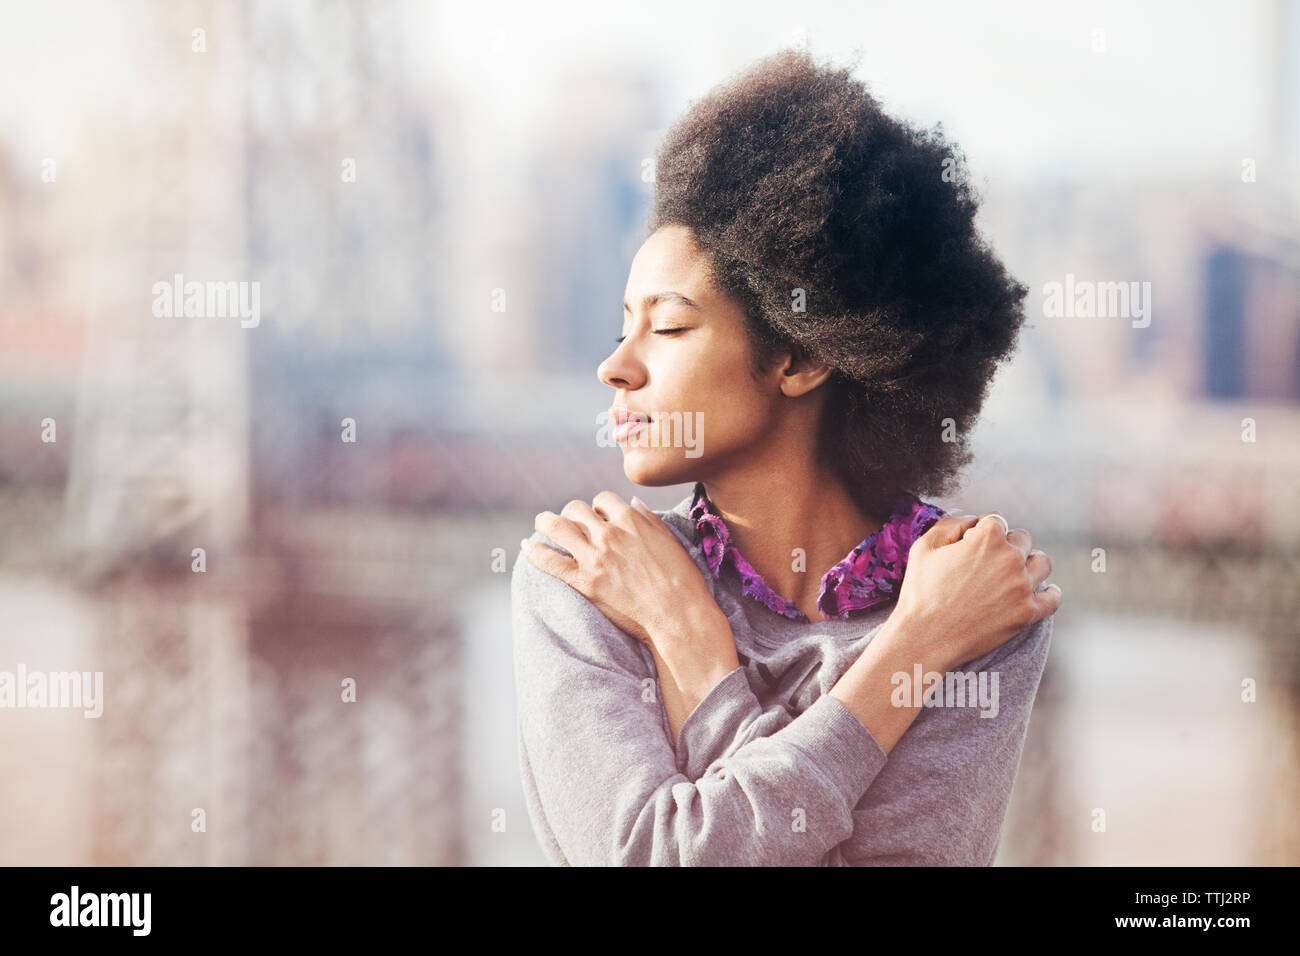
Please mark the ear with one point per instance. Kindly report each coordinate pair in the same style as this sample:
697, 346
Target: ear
801, 373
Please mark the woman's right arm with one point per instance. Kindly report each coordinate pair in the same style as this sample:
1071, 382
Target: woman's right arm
594, 739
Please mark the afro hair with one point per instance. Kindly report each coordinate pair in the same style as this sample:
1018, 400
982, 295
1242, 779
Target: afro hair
848, 236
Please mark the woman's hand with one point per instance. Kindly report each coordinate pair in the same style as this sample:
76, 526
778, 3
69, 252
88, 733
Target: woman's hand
627, 563
971, 585
634, 570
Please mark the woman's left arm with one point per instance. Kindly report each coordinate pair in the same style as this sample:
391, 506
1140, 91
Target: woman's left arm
634, 570
684, 686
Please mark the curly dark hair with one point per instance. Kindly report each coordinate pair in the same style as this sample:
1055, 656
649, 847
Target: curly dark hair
791, 177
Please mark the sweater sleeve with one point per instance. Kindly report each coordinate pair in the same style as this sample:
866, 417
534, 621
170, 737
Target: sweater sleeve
593, 730
943, 796
729, 716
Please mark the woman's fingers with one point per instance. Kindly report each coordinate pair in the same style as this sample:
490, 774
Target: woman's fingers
611, 507
547, 559
947, 530
1039, 566
579, 525
583, 515
1048, 601
565, 530
993, 524
1020, 538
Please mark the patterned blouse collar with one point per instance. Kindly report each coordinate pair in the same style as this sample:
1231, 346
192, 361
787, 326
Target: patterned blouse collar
869, 575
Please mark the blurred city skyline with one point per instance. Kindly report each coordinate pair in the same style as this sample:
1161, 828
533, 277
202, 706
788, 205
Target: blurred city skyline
502, 210
387, 173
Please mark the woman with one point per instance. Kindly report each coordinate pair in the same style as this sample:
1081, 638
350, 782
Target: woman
814, 292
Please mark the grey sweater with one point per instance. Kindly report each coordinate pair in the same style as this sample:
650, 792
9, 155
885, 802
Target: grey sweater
768, 769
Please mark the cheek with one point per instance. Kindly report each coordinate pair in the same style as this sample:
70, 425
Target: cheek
728, 415
734, 424
732, 410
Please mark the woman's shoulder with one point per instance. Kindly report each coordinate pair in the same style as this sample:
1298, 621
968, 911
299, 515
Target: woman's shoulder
678, 520
548, 616
533, 589
546, 608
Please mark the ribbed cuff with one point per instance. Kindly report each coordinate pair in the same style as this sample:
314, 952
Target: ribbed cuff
839, 744
827, 732
715, 722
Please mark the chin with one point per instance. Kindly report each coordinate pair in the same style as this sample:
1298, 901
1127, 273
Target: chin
656, 467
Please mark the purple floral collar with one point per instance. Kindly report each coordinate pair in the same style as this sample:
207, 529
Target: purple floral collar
869, 575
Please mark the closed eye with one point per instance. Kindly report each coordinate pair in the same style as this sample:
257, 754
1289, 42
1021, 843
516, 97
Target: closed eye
658, 332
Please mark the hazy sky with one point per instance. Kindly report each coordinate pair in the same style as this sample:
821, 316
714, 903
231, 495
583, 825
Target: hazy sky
1184, 87
1180, 86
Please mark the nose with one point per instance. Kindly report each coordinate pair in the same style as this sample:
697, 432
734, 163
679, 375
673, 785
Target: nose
622, 369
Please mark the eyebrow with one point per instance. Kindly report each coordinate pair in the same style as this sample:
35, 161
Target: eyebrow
650, 301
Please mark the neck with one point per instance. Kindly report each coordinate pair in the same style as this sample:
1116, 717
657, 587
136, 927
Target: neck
772, 510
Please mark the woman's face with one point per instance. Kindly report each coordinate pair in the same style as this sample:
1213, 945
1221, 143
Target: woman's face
684, 364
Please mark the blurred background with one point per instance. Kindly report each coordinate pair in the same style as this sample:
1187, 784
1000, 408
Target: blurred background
440, 203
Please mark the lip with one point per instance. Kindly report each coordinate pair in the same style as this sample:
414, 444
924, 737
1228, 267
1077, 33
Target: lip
621, 416
621, 432
626, 421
